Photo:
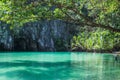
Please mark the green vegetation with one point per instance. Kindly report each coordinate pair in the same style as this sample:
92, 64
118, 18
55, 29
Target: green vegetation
103, 14
96, 40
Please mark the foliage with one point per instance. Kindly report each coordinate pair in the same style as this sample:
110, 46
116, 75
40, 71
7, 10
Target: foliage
60, 44
95, 13
18, 12
96, 40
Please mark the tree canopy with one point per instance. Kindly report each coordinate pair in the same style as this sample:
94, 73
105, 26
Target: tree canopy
95, 13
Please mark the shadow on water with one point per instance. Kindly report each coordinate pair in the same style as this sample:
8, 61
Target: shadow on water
101, 68
117, 57
34, 70
27, 63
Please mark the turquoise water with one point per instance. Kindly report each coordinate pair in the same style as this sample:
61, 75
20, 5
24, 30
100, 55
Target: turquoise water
58, 66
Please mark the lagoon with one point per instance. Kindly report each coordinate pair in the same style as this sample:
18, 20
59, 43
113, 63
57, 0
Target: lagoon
58, 66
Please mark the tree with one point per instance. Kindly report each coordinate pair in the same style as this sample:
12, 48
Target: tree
95, 13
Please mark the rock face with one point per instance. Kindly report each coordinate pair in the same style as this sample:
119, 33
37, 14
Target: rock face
36, 36
6, 39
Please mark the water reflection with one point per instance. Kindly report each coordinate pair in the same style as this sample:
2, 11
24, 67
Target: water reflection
58, 66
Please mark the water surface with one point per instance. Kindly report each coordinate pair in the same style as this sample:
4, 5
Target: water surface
58, 66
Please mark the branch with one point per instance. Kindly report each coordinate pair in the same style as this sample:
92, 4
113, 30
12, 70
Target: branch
93, 24
86, 19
